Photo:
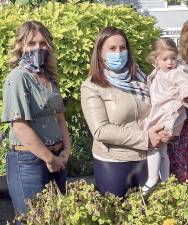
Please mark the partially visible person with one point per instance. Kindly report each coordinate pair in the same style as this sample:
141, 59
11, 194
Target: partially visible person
115, 101
178, 151
168, 86
33, 106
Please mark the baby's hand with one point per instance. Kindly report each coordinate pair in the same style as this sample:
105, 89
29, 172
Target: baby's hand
165, 135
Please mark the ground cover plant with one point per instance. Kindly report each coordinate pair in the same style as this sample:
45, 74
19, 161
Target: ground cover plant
83, 205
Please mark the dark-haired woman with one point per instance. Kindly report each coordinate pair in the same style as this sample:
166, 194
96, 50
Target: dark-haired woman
115, 101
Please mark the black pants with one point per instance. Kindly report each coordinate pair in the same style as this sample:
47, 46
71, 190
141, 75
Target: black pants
118, 177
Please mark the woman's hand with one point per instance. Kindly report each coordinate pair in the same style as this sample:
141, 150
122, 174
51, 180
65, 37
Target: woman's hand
65, 154
155, 138
56, 164
59, 162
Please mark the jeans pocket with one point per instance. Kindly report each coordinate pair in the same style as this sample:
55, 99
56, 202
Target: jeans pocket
28, 157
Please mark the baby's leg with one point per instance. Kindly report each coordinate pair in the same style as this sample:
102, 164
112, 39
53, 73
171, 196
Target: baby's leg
153, 159
165, 163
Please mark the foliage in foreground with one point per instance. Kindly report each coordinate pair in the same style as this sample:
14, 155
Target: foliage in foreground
83, 205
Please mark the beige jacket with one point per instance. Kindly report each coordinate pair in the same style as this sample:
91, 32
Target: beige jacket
115, 119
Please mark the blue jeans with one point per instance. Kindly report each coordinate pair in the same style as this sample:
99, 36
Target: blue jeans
27, 175
118, 177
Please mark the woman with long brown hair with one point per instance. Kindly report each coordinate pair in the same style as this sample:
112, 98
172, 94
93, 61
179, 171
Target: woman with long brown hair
115, 101
38, 137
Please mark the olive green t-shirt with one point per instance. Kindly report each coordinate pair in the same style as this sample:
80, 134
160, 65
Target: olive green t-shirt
24, 97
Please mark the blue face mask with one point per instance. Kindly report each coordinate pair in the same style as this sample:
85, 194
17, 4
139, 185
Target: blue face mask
116, 60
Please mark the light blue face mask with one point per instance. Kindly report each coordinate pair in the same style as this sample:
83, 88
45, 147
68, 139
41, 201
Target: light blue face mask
116, 60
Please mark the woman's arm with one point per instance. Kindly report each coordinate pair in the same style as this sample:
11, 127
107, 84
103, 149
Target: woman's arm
66, 140
30, 139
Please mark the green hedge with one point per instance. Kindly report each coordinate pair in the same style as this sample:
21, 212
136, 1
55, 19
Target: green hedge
75, 27
3, 152
83, 205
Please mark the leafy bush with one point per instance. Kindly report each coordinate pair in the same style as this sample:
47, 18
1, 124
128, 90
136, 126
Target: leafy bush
81, 162
83, 205
3, 149
31, 3
37, 3
177, 2
75, 27
3, 152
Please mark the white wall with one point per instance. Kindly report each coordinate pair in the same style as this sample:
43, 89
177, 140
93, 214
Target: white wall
170, 18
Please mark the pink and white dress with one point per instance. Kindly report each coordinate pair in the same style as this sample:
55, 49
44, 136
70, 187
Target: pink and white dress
167, 92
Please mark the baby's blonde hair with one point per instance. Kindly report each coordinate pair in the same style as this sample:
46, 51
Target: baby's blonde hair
161, 45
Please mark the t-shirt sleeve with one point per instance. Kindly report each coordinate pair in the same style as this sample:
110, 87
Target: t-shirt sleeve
16, 99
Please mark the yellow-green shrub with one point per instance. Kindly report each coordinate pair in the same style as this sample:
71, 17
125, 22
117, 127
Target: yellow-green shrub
83, 205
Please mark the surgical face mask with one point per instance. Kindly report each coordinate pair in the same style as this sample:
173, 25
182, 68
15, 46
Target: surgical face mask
116, 60
35, 60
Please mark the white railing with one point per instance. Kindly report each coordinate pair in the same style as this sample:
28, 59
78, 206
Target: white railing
173, 33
